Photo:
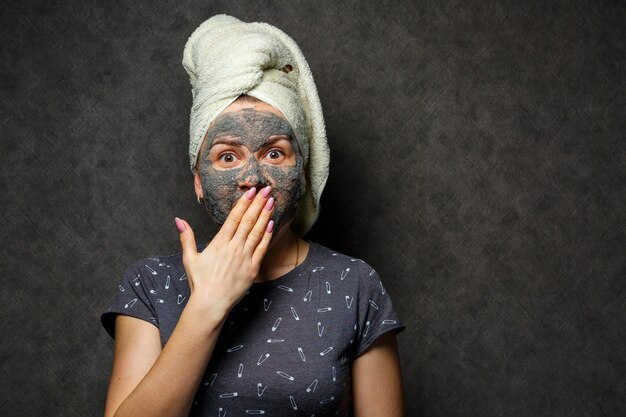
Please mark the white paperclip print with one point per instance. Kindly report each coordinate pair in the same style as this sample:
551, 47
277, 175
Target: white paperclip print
324, 309
220, 412
320, 329
211, 380
301, 354
121, 288
229, 395
373, 304
319, 268
293, 403
259, 391
240, 370
152, 292
344, 273
255, 412
325, 351
285, 288
183, 277
311, 388
181, 298
327, 287
295, 315
349, 303
327, 400
382, 289
343, 358
152, 271
262, 358
266, 304
372, 272
285, 375
307, 297
234, 349
159, 300
167, 282
131, 303
389, 322
275, 340
276, 323
334, 374
136, 280
367, 328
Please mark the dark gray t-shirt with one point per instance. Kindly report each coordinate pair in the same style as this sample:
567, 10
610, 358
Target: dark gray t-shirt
286, 349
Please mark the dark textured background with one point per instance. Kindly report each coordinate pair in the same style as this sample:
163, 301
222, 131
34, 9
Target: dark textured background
478, 163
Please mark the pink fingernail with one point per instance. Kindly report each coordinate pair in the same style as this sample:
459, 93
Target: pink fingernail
251, 192
270, 226
269, 204
266, 191
179, 225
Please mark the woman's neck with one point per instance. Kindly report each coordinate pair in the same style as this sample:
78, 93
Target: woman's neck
283, 255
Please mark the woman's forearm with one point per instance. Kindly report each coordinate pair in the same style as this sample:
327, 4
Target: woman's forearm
169, 387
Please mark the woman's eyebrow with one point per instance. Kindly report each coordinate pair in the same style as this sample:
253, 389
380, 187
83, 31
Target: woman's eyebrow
276, 138
226, 140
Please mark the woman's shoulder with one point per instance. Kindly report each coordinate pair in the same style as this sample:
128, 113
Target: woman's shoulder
159, 261
158, 267
334, 259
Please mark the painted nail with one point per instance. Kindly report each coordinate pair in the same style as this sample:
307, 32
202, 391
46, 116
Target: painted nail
179, 225
266, 191
250, 193
270, 226
269, 204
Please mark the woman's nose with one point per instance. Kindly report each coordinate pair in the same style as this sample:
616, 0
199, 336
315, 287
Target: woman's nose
252, 176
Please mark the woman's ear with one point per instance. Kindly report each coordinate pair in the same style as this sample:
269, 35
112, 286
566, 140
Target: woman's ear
197, 183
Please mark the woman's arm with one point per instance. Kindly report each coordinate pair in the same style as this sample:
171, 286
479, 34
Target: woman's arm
376, 381
137, 347
147, 381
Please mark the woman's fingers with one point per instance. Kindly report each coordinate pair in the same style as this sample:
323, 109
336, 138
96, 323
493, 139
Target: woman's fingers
228, 229
251, 215
259, 229
261, 248
188, 244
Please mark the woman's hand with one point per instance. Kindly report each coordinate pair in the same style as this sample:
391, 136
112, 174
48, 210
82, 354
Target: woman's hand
220, 275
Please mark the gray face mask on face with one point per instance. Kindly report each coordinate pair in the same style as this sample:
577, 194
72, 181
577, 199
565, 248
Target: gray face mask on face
251, 129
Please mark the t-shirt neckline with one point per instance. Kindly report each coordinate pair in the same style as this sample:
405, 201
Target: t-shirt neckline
294, 273
289, 276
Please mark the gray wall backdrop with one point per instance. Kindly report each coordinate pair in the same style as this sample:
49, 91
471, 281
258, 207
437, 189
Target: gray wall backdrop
478, 163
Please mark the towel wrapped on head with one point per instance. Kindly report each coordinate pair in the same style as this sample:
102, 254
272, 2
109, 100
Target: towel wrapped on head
226, 58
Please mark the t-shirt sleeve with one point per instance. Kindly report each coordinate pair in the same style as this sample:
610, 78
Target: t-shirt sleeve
131, 299
376, 313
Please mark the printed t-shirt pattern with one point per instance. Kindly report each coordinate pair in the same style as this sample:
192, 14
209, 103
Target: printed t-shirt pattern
286, 348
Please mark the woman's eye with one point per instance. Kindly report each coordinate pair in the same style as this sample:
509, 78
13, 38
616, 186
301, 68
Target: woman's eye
274, 154
228, 158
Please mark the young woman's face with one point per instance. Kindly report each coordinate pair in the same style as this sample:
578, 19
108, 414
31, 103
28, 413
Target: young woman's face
250, 144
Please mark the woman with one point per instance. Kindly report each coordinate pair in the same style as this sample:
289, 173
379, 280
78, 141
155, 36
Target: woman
258, 321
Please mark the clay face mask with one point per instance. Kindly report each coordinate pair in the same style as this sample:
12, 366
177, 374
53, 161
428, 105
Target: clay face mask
238, 137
